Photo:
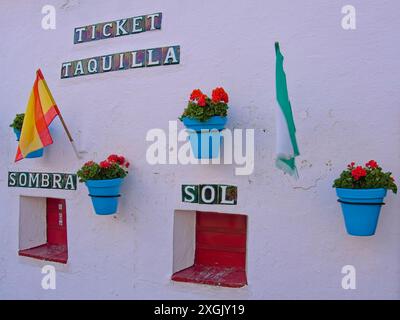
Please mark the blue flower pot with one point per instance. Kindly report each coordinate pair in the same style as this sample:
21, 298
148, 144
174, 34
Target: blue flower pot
361, 209
17, 133
205, 137
35, 154
104, 194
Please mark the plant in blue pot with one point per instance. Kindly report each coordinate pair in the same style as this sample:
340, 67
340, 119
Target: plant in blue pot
17, 127
104, 181
205, 118
361, 191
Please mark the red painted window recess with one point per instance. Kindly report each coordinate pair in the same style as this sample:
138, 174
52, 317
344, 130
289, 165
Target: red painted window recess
56, 248
220, 256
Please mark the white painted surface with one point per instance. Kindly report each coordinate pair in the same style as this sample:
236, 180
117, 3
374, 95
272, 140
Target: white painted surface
184, 239
344, 90
32, 222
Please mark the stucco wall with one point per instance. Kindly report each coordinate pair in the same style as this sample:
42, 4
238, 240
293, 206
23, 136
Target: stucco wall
344, 91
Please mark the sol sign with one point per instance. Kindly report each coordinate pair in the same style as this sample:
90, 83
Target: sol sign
210, 194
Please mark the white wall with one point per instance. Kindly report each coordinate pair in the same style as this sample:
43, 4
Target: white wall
32, 222
344, 91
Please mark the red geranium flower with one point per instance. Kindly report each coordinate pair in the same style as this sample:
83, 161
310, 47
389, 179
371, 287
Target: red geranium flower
196, 95
358, 173
372, 164
105, 164
89, 163
113, 158
116, 159
219, 95
127, 165
121, 160
202, 101
351, 165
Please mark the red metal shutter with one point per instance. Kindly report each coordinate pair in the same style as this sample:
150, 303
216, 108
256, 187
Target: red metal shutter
56, 222
221, 240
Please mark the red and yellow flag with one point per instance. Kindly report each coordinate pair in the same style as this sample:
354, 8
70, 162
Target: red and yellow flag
40, 112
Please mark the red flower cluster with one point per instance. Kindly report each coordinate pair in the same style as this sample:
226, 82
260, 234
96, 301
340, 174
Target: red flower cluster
197, 95
89, 163
105, 164
219, 95
120, 160
372, 164
351, 165
358, 173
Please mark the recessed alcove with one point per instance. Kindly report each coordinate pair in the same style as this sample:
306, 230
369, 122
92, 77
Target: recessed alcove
210, 248
43, 229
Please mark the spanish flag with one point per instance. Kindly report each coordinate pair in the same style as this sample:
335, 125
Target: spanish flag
40, 112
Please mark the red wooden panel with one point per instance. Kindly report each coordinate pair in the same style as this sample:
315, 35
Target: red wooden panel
226, 259
230, 222
215, 276
221, 240
47, 252
56, 222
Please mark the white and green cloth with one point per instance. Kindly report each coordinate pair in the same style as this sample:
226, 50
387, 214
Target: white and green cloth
286, 144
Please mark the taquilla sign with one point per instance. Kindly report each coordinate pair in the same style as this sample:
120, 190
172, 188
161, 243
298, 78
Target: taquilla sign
41, 180
162, 56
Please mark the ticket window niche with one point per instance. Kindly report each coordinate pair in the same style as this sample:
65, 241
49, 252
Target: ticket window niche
43, 229
210, 248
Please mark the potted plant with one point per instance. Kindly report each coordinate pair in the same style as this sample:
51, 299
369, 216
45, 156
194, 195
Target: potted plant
104, 181
361, 191
17, 127
205, 118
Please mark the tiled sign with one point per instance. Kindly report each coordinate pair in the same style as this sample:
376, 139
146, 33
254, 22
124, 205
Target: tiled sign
210, 194
162, 56
122, 61
42, 180
118, 28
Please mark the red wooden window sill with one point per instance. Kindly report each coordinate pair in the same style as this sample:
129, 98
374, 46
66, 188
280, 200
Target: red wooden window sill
47, 252
213, 275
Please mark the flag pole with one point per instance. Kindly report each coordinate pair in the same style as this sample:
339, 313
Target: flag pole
69, 135
61, 118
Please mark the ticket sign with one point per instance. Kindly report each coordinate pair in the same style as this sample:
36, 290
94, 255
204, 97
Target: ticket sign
210, 194
63, 181
118, 28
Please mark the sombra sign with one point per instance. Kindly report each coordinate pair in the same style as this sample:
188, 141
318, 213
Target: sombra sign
210, 194
42, 180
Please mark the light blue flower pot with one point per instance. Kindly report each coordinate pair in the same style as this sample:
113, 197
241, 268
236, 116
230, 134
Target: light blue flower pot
361, 209
105, 194
205, 137
35, 154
